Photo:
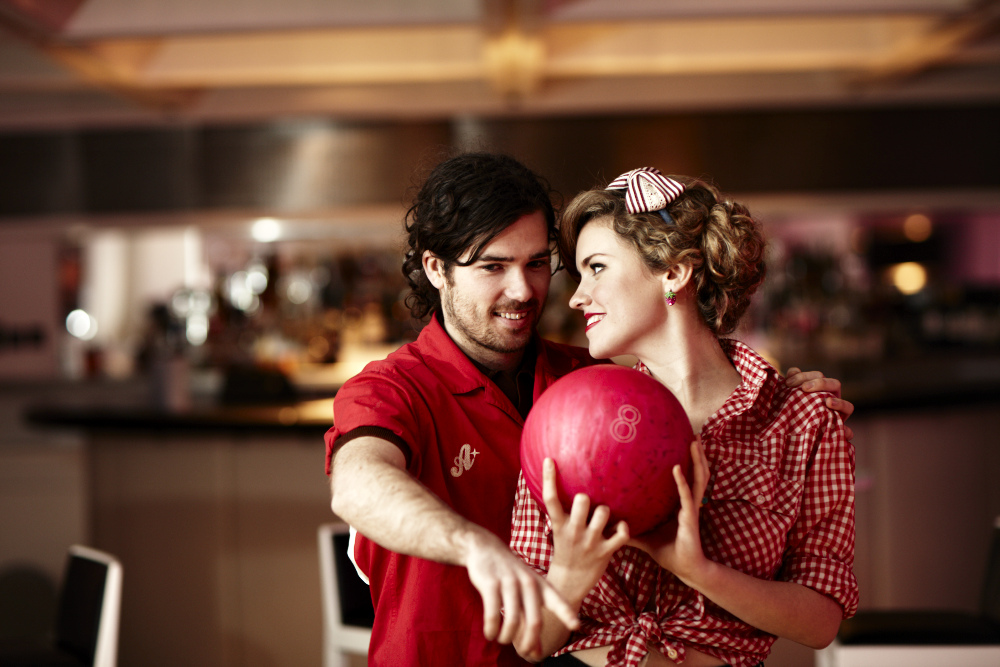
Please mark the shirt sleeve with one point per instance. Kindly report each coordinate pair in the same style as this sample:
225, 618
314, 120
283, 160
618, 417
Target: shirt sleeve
379, 404
820, 548
530, 537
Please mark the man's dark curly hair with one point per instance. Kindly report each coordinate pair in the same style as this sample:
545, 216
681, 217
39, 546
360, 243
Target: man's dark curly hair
463, 205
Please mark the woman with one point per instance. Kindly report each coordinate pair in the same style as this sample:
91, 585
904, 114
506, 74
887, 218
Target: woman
763, 543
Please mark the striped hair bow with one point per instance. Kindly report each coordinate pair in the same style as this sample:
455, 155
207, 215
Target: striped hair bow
647, 190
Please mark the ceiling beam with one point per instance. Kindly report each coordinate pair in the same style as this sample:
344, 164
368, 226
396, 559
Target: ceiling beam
934, 48
115, 75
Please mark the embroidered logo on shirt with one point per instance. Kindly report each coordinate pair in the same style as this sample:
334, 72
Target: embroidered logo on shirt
623, 429
466, 457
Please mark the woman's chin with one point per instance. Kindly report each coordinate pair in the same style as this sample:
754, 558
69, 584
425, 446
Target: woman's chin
598, 352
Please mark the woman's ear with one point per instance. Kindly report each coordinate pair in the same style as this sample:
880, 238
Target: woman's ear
434, 268
677, 277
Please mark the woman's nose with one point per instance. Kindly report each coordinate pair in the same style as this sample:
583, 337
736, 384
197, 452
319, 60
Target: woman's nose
579, 299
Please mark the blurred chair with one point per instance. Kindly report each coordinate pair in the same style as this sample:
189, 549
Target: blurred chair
917, 638
86, 631
28, 599
348, 613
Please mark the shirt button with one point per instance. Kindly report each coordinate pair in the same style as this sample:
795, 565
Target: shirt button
672, 653
761, 499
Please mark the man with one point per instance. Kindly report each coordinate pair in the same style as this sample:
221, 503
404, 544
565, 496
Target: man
424, 452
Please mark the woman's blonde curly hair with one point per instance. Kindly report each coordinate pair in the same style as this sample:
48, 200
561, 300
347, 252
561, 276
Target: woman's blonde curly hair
717, 237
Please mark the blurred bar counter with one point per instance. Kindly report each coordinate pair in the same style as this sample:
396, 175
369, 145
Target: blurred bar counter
936, 380
309, 417
214, 508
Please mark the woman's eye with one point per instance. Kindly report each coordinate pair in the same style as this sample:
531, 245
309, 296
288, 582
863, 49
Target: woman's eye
596, 268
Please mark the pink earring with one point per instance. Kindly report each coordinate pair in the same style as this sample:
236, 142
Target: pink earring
671, 297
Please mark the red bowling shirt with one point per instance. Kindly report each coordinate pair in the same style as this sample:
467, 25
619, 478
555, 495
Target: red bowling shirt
781, 507
461, 436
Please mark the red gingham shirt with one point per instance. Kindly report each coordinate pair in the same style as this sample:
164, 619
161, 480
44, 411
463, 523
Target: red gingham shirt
781, 507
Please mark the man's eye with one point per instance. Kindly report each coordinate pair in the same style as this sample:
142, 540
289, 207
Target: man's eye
540, 264
491, 268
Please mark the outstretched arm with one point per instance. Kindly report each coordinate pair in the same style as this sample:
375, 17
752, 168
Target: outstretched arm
580, 556
781, 608
373, 492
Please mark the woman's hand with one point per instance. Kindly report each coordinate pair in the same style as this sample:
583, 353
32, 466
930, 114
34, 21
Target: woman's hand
676, 545
810, 381
580, 556
581, 552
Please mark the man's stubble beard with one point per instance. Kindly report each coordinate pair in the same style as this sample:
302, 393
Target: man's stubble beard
480, 330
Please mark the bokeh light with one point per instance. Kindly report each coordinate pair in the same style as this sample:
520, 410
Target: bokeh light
917, 228
908, 277
266, 230
80, 324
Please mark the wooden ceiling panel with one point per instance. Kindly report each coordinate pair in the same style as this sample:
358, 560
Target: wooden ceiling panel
192, 58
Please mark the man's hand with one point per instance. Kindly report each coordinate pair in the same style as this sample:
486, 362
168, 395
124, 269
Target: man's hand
506, 582
810, 381
373, 491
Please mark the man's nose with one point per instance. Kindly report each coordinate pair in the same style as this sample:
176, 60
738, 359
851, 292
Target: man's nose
518, 287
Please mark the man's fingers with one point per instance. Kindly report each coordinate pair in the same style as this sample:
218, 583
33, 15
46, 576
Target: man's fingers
799, 378
512, 608
531, 627
810, 381
845, 408
558, 606
491, 613
831, 385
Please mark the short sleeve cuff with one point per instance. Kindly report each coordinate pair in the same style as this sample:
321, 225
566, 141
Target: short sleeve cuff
832, 578
374, 432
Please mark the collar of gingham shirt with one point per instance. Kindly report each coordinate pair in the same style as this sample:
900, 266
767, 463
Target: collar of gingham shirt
781, 507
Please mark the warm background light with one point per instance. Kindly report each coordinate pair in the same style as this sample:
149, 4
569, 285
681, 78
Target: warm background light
266, 230
917, 228
908, 277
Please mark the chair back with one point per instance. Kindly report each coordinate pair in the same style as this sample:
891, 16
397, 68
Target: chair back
990, 603
348, 613
89, 607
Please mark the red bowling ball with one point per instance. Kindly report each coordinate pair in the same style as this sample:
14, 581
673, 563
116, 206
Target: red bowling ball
615, 435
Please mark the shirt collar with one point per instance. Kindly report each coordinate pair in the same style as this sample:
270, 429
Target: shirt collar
459, 372
517, 385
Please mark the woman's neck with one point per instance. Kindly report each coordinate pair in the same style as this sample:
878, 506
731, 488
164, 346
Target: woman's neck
690, 362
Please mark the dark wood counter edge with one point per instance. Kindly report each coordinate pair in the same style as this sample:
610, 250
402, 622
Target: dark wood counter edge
902, 403
285, 418
269, 418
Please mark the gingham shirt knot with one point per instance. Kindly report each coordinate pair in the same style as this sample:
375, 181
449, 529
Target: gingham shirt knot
648, 627
645, 632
